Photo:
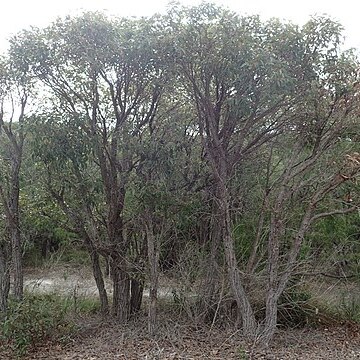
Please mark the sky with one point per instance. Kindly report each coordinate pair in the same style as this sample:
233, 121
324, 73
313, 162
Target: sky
16, 15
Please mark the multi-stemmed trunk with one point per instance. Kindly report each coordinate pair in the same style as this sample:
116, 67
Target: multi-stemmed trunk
249, 324
245, 310
221, 167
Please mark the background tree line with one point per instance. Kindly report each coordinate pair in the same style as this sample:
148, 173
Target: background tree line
199, 135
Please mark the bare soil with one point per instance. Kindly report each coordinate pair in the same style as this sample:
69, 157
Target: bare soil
177, 337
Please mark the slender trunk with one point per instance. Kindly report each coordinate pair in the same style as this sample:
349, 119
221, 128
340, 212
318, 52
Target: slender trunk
210, 289
11, 201
249, 324
270, 318
253, 259
107, 265
153, 256
4, 277
17, 262
221, 166
14, 223
277, 284
99, 279
272, 295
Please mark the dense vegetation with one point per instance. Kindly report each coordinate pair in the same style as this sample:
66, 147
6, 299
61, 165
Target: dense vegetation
199, 143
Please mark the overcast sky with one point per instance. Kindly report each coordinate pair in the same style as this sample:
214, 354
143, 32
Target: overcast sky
18, 14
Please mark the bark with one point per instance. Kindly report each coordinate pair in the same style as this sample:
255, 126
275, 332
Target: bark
10, 197
273, 249
100, 284
136, 295
270, 318
121, 290
10, 200
4, 276
17, 264
249, 324
89, 242
153, 258
107, 265
209, 295
277, 281
218, 161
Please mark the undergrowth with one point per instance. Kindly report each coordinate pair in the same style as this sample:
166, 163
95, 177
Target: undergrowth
349, 307
41, 318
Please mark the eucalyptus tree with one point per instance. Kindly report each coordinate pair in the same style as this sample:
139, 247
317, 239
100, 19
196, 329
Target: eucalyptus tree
235, 71
62, 162
105, 77
14, 93
313, 160
165, 186
250, 83
111, 122
303, 181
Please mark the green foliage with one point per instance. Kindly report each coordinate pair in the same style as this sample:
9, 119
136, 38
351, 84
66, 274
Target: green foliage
139, 121
244, 233
74, 254
35, 320
349, 307
242, 353
338, 239
85, 306
295, 308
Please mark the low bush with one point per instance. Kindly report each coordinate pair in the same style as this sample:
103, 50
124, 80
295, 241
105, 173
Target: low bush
295, 308
34, 321
349, 307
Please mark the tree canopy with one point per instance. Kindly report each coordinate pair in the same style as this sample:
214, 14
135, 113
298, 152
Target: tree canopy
196, 129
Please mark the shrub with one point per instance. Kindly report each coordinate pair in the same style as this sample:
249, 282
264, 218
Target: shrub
33, 321
295, 309
349, 307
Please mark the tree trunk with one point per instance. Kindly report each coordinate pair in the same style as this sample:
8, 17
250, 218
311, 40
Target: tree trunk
99, 279
276, 231
4, 277
249, 324
121, 290
153, 256
10, 198
17, 261
136, 295
107, 265
209, 296
270, 318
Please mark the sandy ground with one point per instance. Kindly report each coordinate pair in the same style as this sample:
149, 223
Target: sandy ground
71, 281
177, 338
